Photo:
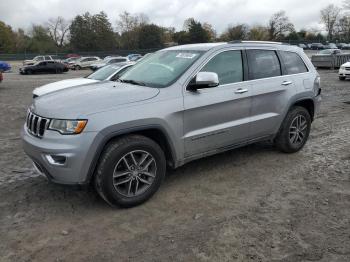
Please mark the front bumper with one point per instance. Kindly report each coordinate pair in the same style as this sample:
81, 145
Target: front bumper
344, 73
73, 149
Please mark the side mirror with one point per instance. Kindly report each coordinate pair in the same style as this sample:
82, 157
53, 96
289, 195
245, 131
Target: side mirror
204, 80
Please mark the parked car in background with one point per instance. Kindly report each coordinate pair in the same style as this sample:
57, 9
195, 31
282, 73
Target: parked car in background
303, 46
84, 62
44, 67
4, 66
317, 46
1, 77
330, 46
346, 47
344, 71
177, 105
134, 57
69, 60
108, 61
329, 52
109, 72
38, 59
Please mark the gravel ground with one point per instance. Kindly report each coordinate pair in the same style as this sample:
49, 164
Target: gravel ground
249, 204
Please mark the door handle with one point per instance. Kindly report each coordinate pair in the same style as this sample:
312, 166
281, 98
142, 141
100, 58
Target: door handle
241, 91
287, 83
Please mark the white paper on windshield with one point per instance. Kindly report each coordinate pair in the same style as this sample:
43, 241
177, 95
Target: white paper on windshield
186, 55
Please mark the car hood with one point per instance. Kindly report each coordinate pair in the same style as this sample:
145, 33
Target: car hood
80, 101
52, 87
346, 64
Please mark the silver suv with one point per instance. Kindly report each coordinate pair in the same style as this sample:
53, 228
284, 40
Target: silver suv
178, 104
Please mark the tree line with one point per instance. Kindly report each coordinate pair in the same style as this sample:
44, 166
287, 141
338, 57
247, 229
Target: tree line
95, 32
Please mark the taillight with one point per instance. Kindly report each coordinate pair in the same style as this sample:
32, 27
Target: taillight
317, 86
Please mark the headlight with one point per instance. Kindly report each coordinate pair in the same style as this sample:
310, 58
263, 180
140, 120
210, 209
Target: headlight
342, 68
68, 127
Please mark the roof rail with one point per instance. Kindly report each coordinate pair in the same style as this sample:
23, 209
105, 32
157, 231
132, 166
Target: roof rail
256, 42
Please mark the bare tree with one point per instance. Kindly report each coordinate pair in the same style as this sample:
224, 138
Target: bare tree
329, 17
58, 30
346, 4
236, 32
279, 25
128, 22
258, 33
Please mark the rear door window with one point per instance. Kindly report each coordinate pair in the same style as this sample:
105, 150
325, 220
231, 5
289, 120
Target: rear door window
263, 64
293, 63
228, 65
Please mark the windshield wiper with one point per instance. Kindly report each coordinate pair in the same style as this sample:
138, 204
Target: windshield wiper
133, 82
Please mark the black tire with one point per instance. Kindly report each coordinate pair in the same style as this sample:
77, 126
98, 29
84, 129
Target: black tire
112, 155
283, 139
29, 72
77, 67
341, 78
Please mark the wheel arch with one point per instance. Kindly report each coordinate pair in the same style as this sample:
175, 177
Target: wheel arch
154, 132
308, 104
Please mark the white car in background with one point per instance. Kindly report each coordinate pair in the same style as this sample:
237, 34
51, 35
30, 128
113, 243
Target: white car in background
84, 62
108, 61
344, 71
109, 72
38, 59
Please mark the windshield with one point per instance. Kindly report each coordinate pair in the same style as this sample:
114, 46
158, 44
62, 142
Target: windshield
104, 72
161, 69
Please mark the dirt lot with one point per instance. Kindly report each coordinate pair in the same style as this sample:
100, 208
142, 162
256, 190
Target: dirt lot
250, 204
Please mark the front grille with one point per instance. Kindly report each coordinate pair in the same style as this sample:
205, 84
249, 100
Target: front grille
36, 125
347, 68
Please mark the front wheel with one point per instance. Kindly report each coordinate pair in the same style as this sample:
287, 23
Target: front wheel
341, 78
294, 131
130, 171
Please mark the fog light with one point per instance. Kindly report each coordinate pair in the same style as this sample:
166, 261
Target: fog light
56, 160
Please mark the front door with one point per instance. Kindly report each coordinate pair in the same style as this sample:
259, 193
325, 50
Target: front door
218, 117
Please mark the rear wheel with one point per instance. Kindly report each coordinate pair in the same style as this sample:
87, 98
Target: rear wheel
130, 171
294, 131
77, 67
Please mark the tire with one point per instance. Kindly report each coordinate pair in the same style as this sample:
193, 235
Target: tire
29, 72
341, 78
113, 169
294, 131
77, 67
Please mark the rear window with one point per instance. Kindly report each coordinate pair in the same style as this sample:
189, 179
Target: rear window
293, 63
263, 64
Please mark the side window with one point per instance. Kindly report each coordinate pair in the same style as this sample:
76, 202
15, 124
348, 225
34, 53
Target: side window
228, 65
43, 63
293, 63
263, 64
48, 58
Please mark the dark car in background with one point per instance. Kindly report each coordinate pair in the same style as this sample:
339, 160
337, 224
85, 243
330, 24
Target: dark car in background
317, 46
44, 67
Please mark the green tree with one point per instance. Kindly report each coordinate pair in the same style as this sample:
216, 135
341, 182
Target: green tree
40, 41
150, 36
7, 38
92, 33
196, 32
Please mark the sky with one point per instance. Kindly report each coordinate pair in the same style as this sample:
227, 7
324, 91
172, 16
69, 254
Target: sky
219, 13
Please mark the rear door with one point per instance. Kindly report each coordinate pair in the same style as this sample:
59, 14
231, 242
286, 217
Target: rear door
218, 117
271, 91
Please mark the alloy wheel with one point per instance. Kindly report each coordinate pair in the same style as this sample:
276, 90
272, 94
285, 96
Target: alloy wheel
134, 173
298, 130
